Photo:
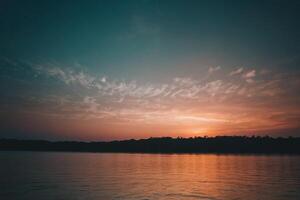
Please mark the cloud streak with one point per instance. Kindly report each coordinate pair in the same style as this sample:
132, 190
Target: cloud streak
237, 71
215, 104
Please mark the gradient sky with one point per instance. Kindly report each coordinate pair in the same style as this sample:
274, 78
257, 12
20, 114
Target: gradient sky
105, 70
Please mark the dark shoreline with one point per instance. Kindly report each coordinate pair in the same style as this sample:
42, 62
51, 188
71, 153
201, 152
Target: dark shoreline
198, 145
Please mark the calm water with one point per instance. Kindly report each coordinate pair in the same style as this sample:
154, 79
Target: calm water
42, 175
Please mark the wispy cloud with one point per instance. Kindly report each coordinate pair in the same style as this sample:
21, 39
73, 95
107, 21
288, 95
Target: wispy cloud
237, 71
250, 74
66, 75
218, 101
214, 69
178, 88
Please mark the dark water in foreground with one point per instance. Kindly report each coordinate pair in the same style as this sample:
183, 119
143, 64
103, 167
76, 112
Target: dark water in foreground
104, 176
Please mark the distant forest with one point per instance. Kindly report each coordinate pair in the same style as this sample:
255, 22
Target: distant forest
219, 144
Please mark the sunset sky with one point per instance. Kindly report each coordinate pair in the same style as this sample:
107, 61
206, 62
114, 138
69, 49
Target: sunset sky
106, 70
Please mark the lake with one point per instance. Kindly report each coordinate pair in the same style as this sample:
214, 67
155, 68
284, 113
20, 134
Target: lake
105, 176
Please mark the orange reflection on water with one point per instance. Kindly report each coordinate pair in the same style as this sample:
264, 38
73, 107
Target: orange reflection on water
160, 176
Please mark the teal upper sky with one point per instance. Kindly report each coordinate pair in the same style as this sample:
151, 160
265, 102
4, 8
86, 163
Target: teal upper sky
140, 38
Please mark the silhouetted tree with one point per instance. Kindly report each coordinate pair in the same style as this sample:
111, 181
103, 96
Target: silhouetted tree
218, 144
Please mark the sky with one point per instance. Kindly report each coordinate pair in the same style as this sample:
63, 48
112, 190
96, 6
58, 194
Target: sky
112, 70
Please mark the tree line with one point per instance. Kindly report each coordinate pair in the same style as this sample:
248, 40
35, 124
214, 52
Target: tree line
218, 144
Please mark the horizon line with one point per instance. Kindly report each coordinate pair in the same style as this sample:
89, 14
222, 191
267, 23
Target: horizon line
162, 137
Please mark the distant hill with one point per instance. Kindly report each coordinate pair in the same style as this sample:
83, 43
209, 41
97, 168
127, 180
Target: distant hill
219, 144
